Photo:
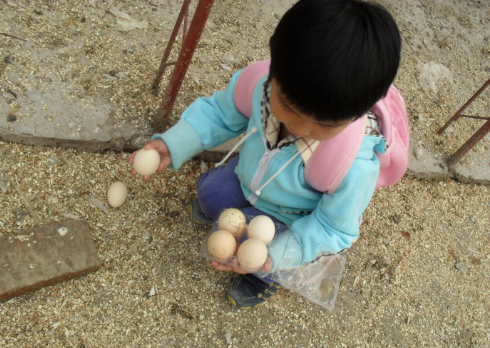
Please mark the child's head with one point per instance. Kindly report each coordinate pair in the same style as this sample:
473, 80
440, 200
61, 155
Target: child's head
334, 59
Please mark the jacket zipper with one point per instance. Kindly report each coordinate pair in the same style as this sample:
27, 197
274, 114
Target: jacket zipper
260, 173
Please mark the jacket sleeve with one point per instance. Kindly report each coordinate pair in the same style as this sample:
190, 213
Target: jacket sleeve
334, 225
206, 123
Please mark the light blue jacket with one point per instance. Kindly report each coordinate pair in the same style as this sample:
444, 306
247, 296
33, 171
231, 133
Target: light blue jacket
318, 223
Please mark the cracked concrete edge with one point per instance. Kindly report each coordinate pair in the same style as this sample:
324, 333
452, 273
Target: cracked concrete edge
433, 167
132, 142
478, 175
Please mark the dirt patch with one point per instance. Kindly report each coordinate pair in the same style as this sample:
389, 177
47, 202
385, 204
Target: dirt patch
416, 278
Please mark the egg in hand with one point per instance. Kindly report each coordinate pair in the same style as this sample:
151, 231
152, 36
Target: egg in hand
261, 227
221, 245
233, 221
146, 162
252, 254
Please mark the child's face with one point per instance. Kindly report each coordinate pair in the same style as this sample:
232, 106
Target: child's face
299, 124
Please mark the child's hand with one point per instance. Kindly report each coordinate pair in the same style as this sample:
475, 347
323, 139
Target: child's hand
235, 267
165, 157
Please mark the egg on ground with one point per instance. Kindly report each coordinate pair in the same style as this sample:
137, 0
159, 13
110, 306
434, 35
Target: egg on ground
117, 194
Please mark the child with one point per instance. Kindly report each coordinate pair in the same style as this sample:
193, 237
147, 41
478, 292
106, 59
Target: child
331, 61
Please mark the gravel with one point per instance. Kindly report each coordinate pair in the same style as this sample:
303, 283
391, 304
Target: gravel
418, 276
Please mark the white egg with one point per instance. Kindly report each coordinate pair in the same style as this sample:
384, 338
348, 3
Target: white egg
146, 162
117, 194
261, 227
251, 254
221, 245
232, 220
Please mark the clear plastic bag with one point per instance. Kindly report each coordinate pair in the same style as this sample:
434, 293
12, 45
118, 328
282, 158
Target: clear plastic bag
318, 281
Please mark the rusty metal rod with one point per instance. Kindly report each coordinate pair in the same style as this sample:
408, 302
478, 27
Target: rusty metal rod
469, 144
185, 56
186, 24
474, 117
163, 64
458, 113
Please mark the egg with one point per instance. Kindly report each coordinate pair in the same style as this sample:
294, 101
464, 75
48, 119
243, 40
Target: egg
261, 227
146, 162
221, 245
251, 254
117, 194
232, 220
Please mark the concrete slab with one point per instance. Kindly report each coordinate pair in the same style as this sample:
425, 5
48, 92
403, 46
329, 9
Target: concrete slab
55, 112
44, 256
428, 166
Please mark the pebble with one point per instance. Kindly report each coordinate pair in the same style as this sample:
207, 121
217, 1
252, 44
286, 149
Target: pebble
460, 267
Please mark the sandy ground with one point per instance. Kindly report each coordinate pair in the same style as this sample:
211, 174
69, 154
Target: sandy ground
418, 276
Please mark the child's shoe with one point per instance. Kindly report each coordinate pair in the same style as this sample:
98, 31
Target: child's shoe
247, 291
197, 213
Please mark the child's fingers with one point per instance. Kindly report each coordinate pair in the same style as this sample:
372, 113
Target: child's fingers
227, 267
221, 266
131, 157
164, 163
149, 145
267, 265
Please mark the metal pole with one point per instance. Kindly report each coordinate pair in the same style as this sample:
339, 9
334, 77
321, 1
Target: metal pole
461, 109
185, 56
463, 150
163, 64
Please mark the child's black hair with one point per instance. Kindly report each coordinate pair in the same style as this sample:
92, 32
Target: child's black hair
334, 59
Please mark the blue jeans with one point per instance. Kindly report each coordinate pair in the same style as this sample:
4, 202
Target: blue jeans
219, 189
